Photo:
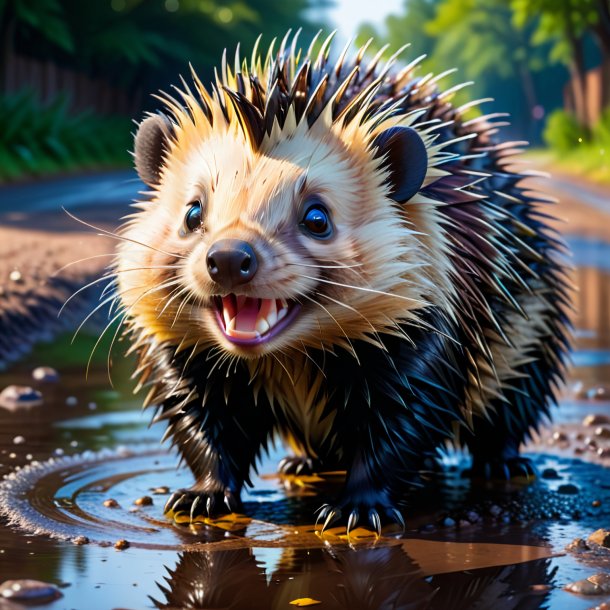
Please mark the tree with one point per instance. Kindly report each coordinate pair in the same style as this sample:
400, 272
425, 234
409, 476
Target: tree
563, 23
45, 17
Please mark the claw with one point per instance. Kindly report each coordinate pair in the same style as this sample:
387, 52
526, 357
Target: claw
177, 502
194, 506
228, 503
352, 520
375, 521
393, 512
169, 503
332, 516
322, 511
208, 506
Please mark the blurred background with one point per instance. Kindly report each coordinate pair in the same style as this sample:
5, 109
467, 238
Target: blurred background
74, 74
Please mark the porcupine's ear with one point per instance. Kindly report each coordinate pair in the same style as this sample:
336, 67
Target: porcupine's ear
406, 159
151, 146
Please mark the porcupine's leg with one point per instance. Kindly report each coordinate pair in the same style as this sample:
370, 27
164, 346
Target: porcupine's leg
220, 443
393, 422
495, 443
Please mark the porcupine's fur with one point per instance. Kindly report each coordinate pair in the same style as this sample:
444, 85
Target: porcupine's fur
437, 312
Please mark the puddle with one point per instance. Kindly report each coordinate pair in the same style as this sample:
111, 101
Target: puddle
464, 548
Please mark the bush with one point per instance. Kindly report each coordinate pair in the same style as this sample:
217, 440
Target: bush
562, 132
45, 138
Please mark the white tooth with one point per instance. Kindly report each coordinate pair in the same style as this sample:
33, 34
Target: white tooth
284, 303
272, 315
231, 325
244, 334
262, 326
281, 313
227, 317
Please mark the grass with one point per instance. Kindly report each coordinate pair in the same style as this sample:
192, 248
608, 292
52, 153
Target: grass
41, 139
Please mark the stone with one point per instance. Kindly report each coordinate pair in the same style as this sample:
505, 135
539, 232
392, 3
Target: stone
595, 419
121, 545
600, 537
568, 488
46, 374
550, 473
80, 540
111, 503
578, 545
163, 490
598, 393
15, 397
144, 501
29, 590
598, 584
602, 432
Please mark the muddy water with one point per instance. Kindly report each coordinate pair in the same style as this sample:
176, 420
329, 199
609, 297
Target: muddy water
464, 548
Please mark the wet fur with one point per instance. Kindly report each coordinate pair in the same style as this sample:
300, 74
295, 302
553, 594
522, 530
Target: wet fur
442, 316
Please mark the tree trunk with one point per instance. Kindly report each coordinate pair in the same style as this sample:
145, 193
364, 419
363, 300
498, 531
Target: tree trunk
529, 91
601, 32
578, 78
7, 35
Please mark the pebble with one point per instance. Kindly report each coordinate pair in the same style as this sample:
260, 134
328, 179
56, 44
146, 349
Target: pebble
550, 473
144, 501
473, 517
578, 545
596, 503
46, 374
598, 393
71, 401
560, 437
15, 276
540, 588
604, 452
19, 440
600, 537
121, 545
602, 432
595, 419
568, 488
598, 584
164, 489
15, 397
80, 540
448, 522
34, 591
111, 503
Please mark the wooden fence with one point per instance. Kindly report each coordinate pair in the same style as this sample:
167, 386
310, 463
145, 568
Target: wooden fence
82, 91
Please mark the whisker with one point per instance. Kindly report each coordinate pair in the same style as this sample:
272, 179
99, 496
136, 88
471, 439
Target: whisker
363, 289
112, 321
80, 260
336, 322
119, 237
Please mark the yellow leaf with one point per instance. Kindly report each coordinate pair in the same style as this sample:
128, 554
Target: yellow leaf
305, 601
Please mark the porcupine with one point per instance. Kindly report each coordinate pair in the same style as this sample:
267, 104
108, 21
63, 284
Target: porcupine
331, 253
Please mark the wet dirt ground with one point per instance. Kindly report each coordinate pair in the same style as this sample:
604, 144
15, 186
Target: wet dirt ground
76, 465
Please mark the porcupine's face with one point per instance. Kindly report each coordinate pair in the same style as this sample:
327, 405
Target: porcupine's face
293, 244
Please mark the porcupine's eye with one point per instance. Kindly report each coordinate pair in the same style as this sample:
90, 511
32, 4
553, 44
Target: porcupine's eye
192, 219
316, 220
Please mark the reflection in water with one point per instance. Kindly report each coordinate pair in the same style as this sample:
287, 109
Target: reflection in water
374, 578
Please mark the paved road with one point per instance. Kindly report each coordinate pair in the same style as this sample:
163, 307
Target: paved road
72, 192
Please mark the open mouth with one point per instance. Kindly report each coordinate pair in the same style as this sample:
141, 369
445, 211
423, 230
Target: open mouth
253, 321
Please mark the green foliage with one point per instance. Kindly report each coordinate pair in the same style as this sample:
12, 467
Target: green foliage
44, 17
40, 139
557, 21
579, 151
562, 132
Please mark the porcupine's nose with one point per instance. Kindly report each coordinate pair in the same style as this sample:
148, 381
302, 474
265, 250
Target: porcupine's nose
231, 262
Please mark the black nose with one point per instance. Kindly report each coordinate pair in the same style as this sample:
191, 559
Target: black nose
231, 262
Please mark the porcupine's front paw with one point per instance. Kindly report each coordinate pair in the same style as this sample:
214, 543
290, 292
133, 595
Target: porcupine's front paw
207, 503
371, 510
502, 469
